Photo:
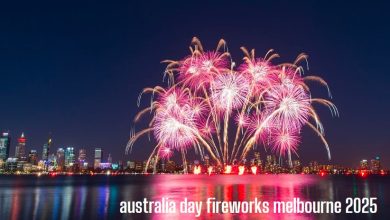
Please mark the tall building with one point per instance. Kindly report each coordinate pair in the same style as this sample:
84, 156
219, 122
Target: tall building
46, 150
60, 158
5, 143
257, 159
297, 168
82, 156
20, 150
375, 165
206, 161
109, 159
69, 157
33, 157
98, 158
363, 165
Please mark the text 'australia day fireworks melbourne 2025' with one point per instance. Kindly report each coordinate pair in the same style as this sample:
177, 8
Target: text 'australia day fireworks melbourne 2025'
209, 96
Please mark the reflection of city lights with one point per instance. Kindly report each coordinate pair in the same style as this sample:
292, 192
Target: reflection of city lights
254, 170
197, 170
241, 170
209, 170
228, 169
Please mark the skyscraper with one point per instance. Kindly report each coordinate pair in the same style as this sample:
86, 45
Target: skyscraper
60, 158
375, 165
82, 157
98, 158
46, 150
5, 143
69, 157
363, 165
33, 157
109, 159
20, 150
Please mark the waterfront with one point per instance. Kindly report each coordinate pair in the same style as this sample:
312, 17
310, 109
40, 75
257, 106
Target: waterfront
99, 197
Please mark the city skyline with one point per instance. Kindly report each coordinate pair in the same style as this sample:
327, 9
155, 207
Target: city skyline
95, 158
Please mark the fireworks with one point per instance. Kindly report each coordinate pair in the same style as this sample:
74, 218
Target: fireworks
207, 99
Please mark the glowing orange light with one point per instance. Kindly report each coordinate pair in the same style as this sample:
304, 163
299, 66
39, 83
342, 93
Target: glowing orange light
197, 170
254, 170
241, 170
209, 170
228, 169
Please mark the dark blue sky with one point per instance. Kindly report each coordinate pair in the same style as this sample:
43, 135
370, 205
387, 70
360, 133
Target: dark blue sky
75, 69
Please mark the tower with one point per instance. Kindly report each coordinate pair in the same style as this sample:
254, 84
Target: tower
60, 158
33, 157
20, 150
98, 158
5, 143
46, 150
69, 157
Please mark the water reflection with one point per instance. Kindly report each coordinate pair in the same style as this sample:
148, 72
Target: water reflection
98, 197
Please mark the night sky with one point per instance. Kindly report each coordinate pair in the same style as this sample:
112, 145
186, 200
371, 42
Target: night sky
75, 69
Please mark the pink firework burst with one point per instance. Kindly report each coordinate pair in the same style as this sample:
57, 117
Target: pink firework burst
283, 140
165, 152
173, 99
242, 119
200, 69
291, 104
229, 91
259, 72
174, 129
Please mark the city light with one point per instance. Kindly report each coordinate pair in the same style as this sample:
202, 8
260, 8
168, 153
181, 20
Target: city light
254, 170
209, 170
241, 170
197, 170
228, 169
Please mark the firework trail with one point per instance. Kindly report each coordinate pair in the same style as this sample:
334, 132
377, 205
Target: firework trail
207, 98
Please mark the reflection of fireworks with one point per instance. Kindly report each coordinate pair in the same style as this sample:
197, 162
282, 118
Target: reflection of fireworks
269, 103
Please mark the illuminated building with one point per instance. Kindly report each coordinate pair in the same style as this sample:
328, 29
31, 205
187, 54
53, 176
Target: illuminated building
109, 159
5, 142
270, 164
69, 157
206, 160
296, 166
171, 166
52, 160
11, 164
60, 158
257, 158
46, 150
105, 166
139, 166
375, 165
20, 150
82, 157
98, 158
313, 166
131, 165
363, 165
33, 157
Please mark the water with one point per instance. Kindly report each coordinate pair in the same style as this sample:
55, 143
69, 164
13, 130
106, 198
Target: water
99, 197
